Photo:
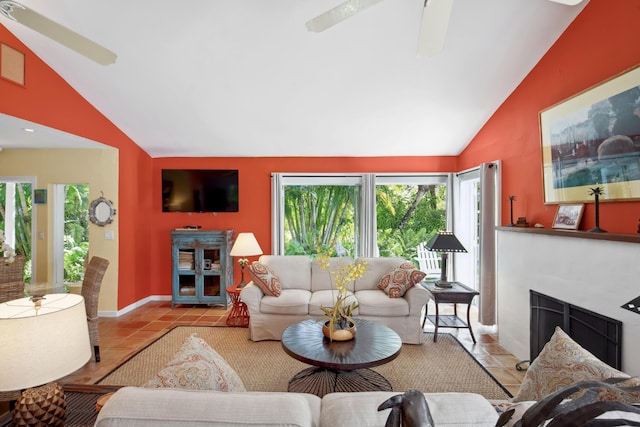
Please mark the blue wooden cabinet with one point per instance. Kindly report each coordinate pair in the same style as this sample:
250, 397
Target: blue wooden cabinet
202, 267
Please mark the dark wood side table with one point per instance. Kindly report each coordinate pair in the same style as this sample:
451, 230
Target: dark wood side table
457, 294
239, 313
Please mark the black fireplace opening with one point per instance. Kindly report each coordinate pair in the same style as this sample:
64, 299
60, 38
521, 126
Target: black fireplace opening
598, 334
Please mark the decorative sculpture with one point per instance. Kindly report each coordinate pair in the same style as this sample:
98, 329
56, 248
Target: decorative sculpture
511, 199
577, 411
597, 192
407, 410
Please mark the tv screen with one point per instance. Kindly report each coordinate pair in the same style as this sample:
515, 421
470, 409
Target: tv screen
199, 190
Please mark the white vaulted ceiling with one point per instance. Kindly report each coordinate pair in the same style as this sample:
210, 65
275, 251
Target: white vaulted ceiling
246, 78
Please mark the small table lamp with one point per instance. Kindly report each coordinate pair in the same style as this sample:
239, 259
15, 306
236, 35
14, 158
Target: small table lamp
445, 241
244, 246
42, 339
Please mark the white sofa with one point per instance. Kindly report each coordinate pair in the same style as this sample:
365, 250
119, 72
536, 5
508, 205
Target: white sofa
306, 287
137, 406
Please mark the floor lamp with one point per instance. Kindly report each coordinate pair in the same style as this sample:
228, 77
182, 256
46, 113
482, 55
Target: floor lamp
445, 242
42, 339
244, 246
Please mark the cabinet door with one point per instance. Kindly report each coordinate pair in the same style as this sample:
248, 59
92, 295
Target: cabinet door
211, 289
185, 279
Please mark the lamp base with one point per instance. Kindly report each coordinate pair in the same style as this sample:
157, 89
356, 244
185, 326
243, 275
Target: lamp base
444, 284
41, 406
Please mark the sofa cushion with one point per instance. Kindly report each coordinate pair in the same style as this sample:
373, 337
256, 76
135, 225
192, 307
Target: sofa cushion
135, 407
447, 409
562, 362
327, 299
265, 279
399, 279
197, 366
376, 268
375, 302
294, 271
290, 301
323, 279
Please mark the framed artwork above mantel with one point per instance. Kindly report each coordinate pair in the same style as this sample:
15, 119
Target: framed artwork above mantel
593, 140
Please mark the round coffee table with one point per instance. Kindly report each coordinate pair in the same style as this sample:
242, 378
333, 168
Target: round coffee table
340, 365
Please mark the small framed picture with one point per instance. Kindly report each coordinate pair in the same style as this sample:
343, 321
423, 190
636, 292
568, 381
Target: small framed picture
568, 216
40, 196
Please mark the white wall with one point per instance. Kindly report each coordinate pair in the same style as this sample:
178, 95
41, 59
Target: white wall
598, 275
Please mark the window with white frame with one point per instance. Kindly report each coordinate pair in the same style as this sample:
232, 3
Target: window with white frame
359, 214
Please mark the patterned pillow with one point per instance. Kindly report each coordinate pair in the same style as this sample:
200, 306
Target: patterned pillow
265, 279
196, 366
396, 282
562, 362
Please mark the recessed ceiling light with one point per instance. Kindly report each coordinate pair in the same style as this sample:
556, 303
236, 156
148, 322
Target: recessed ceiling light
28, 130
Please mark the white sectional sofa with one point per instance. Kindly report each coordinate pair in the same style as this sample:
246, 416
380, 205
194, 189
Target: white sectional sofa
138, 407
306, 287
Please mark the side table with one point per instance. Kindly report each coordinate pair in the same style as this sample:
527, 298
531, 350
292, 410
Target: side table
457, 294
239, 313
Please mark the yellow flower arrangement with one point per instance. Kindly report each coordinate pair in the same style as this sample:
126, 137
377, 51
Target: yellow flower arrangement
341, 314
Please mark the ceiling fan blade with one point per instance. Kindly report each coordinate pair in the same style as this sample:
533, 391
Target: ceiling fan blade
32, 19
338, 14
567, 2
433, 30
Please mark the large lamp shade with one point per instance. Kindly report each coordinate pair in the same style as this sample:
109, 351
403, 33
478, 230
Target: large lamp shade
244, 246
39, 345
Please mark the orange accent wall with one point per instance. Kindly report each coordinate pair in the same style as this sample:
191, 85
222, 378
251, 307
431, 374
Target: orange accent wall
49, 100
601, 43
255, 196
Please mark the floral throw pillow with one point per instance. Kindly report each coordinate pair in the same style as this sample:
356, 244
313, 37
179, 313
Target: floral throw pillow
196, 366
562, 362
265, 279
396, 282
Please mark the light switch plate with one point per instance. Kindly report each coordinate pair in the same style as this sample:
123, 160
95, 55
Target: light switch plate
108, 234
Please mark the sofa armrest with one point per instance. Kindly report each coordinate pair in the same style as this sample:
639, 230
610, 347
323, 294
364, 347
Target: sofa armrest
251, 295
417, 297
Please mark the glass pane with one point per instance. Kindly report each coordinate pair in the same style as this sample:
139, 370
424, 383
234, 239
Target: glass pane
187, 286
408, 215
211, 285
318, 215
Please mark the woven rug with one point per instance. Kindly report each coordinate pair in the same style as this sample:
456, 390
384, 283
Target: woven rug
444, 366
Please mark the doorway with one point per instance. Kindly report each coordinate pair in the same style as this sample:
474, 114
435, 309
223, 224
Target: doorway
70, 232
16, 216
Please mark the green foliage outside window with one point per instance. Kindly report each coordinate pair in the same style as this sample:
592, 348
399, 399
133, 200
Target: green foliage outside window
76, 227
407, 215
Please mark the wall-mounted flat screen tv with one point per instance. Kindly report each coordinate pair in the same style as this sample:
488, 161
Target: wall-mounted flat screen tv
199, 190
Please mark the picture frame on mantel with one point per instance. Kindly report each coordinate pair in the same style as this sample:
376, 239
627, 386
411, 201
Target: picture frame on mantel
568, 216
593, 139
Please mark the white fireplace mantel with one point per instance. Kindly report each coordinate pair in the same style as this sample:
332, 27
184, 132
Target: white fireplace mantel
596, 272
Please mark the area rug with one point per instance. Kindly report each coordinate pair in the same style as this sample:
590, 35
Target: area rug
443, 366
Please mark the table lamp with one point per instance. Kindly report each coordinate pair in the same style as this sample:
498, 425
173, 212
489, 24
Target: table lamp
244, 246
42, 339
445, 242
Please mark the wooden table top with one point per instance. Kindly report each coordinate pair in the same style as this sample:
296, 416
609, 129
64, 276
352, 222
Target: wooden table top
374, 345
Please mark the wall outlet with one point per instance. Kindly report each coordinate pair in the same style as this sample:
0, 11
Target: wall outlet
40, 235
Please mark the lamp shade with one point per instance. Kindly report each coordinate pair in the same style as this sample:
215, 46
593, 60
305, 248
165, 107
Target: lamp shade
245, 245
42, 345
445, 241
